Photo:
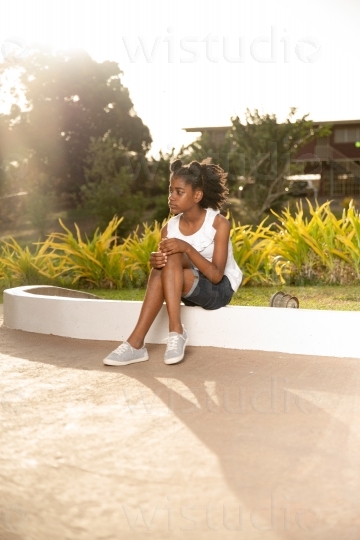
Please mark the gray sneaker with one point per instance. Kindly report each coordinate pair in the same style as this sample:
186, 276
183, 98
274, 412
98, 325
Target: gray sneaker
126, 354
175, 349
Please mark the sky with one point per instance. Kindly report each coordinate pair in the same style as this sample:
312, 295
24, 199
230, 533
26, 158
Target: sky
191, 63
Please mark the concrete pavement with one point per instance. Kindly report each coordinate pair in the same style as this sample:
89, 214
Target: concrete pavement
228, 444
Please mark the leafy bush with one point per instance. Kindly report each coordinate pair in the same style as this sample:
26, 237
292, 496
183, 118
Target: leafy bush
251, 252
323, 249
138, 248
98, 262
20, 266
296, 250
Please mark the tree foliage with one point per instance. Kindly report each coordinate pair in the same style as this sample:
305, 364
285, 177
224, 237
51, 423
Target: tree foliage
263, 150
109, 188
70, 99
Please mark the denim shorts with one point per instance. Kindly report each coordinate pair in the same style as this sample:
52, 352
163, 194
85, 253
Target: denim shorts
206, 294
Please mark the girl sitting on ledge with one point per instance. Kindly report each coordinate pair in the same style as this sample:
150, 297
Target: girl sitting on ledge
194, 264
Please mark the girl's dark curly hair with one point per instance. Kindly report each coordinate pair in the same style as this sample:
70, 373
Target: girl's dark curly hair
209, 178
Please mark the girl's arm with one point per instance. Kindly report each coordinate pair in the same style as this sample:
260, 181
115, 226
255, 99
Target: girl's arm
214, 270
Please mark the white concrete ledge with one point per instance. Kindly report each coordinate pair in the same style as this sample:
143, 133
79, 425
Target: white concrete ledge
300, 331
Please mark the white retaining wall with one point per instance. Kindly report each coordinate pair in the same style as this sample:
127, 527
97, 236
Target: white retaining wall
299, 331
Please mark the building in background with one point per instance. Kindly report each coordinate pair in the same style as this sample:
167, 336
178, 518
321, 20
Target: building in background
335, 158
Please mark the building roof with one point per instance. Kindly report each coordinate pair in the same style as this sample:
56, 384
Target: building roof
226, 128
337, 122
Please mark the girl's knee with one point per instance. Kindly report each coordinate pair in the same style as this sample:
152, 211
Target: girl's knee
175, 259
155, 273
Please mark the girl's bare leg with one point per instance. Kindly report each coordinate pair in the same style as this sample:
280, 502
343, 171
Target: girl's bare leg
176, 279
153, 301
168, 283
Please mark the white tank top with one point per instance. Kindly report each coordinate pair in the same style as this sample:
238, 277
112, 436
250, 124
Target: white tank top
203, 242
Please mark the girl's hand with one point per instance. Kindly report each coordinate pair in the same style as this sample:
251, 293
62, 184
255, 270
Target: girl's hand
158, 259
168, 246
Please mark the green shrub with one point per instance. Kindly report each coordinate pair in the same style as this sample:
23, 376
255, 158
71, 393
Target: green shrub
99, 262
296, 249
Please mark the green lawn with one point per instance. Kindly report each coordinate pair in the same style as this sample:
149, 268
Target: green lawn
341, 298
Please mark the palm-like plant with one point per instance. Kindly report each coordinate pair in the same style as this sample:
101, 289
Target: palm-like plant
99, 261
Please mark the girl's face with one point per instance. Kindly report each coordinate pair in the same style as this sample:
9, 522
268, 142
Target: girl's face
181, 196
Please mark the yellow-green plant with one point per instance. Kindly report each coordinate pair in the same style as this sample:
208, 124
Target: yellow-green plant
138, 248
349, 238
325, 228
318, 247
20, 266
314, 247
252, 250
291, 242
297, 241
99, 261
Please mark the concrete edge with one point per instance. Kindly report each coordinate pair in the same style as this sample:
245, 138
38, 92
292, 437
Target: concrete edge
294, 331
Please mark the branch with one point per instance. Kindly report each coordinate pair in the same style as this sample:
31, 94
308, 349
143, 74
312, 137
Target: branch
273, 197
259, 163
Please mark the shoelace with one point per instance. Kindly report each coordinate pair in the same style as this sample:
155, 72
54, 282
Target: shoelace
173, 341
123, 347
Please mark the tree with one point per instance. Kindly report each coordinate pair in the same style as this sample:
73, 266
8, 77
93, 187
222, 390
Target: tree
263, 152
39, 205
71, 98
108, 190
